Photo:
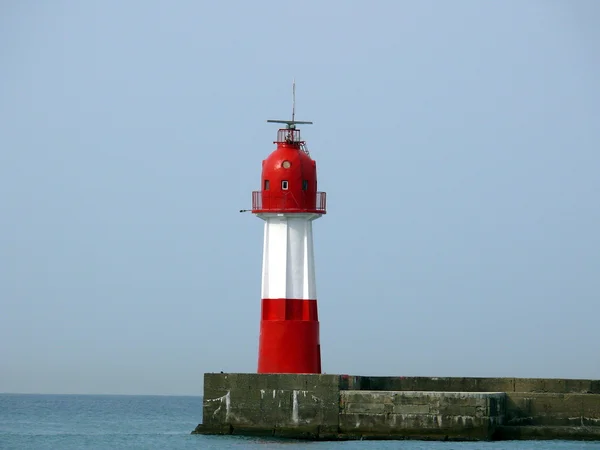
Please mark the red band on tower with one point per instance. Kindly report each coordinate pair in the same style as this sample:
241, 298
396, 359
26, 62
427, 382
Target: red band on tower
289, 337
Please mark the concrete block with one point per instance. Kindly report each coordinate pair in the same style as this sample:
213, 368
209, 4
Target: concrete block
590, 409
437, 384
555, 385
409, 398
470, 384
422, 413
414, 426
552, 409
365, 397
364, 408
412, 409
271, 401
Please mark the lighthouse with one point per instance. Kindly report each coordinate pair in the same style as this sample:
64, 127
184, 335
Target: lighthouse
288, 203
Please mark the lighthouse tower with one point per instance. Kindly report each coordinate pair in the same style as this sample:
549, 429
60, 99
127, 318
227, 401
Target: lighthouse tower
289, 202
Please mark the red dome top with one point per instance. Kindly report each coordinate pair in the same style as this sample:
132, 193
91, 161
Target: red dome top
289, 180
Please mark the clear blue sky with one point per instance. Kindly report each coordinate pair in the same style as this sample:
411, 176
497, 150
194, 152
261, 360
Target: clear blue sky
458, 143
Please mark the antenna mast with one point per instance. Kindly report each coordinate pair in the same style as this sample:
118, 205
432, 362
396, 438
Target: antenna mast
291, 124
293, 99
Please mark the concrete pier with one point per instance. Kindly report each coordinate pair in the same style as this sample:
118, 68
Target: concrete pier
339, 407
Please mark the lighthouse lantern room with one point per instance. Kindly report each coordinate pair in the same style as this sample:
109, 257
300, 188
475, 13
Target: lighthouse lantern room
288, 203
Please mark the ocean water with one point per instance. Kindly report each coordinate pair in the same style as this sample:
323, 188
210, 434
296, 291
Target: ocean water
65, 422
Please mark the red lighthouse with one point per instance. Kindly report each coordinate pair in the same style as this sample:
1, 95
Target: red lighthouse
289, 202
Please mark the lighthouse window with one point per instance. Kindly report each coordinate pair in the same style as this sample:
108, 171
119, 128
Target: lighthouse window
305, 185
266, 185
284, 185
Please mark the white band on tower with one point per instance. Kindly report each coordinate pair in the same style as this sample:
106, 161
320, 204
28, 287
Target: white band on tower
288, 257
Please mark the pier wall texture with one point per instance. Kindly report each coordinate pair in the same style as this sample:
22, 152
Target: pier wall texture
333, 407
421, 414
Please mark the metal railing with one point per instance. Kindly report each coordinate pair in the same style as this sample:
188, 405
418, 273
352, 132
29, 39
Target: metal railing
288, 135
322, 201
287, 202
304, 148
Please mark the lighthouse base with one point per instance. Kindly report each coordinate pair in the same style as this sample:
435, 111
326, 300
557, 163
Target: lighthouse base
342, 407
289, 337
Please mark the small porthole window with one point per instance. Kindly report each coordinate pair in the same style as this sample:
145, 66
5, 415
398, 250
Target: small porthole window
286, 164
305, 185
284, 185
266, 185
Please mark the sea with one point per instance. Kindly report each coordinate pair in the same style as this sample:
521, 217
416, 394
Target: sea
65, 422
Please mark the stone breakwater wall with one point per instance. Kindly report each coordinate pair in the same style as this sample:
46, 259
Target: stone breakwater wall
335, 407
